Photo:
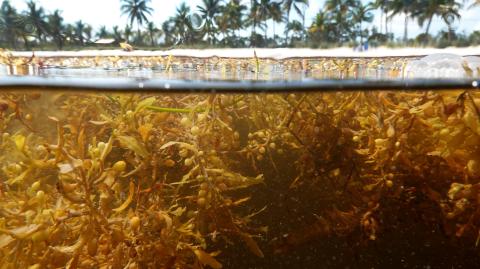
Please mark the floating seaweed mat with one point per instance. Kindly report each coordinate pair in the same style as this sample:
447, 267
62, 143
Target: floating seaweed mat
237, 68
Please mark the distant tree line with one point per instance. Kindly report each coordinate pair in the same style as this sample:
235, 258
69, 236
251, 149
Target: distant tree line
230, 23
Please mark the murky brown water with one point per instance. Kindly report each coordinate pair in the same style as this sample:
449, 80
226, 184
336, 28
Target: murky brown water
310, 178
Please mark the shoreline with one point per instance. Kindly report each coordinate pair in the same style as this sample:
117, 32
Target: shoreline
280, 53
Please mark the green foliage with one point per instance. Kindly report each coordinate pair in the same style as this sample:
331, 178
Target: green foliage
137, 10
217, 23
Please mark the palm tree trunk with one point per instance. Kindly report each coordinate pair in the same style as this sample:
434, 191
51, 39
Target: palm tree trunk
405, 31
361, 34
449, 36
212, 36
286, 30
386, 23
253, 25
273, 26
381, 20
60, 43
39, 36
25, 40
11, 38
428, 25
253, 30
254, 33
303, 23
390, 27
266, 30
138, 32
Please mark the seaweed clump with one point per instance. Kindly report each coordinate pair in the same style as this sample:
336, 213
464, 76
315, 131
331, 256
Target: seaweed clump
100, 181
137, 180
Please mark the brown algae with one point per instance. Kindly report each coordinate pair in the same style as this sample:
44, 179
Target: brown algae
141, 180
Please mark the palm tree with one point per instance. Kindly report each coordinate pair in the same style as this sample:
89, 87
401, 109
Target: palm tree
88, 32
382, 5
449, 13
23, 29
267, 10
36, 17
407, 7
254, 20
362, 14
288, 5
79, 31
475, 4
8, 23
127, 32
168, 29
276, 16
234, 13
70, 33
296, 27
56, 28
426, 11
20, 27
117, 34
322, 29
208, 11
103, 32
223, 24
341, 15
137, 10
152, 31
182, 23
264, 7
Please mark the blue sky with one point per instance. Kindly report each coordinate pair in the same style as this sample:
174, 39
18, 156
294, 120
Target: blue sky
107, 12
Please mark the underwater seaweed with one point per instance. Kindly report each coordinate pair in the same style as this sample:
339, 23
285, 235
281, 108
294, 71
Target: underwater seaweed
150, 180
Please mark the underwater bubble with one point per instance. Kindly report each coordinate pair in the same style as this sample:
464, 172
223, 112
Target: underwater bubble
416, 69
438, 57
196, 21
473, 62
439, 65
